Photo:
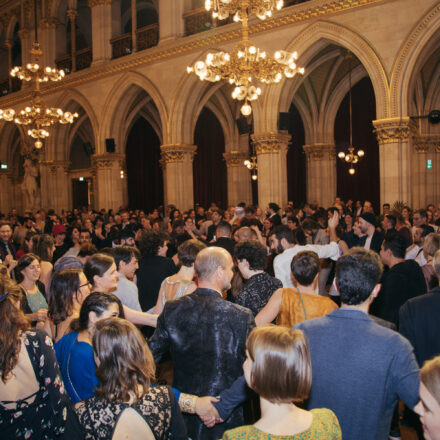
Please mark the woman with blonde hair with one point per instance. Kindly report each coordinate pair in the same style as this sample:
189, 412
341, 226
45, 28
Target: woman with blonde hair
125, 404
429, 406
278, 368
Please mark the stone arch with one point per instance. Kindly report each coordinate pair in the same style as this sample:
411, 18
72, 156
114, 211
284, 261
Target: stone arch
309, 42
120, 97
420, 40
9, 30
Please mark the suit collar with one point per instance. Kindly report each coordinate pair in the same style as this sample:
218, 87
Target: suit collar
208, 292
347, 313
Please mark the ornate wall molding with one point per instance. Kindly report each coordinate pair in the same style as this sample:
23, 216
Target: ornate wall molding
93, 3
266, 143
426, 143
319, 151
176, 152
235, 158
392, 130
54, 165
108, 160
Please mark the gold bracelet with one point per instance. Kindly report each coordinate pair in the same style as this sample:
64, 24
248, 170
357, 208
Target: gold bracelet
187, 403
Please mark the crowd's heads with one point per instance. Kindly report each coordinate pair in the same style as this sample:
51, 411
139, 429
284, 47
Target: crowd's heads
188, 251
28, 264
278, 366
125, 363
253, 252
368, 220
5, 231
277, 235
274, 207
393, 245
305, 267
431, 244
150, 242
358, 272
44, 246
97, 266
213, 264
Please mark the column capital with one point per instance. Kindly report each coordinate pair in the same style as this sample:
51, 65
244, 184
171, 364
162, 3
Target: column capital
54, 165
235, 158
392, 130
271, 142
426, 143
108, 160
177, 152
319, 151
72, 14
23, 33
49, 23
93, 3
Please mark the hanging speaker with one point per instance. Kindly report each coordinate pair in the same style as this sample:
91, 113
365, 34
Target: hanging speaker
242, 125
110, 145
88, 148
284, 121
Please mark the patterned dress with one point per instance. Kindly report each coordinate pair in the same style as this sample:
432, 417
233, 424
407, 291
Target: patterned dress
325, 426
45, 417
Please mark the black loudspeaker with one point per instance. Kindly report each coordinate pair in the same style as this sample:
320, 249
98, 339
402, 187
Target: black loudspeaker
284, 121
242, 125
110, 145
88, 148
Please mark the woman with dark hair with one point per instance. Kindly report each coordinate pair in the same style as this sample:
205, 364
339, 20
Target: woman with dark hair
126, 405
278, 368
100, 271
34, 302
68, 290
33, 401
181, 283
74, 350
44, 247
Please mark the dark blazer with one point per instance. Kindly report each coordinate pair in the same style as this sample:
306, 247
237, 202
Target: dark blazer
376, 241
420, 324
359, 371
225, 243
206, 336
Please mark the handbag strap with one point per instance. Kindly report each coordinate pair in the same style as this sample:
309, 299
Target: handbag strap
302, 303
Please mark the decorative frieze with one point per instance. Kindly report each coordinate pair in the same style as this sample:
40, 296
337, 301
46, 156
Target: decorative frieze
319, 151
426, 143
107, 161
393, 130
269, 143
177, 152
93, 3
235, 158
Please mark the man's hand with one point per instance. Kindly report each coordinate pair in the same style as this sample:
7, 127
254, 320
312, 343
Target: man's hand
207, 411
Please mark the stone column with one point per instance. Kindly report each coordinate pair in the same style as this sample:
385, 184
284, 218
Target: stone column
8, 44
25, 45
171, 24
271, 149
239, 183
321, 173
7, 186
133, 26
72, 14
54, 184
109, 189
48, 28
426, 182
101, 30
393, 135
178, 174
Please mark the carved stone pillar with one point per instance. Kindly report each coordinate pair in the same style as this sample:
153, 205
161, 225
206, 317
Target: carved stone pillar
393, 135
8, 44
54, 184
321, 173
109, 187
48, 28
72, 14
239, 184
25, 45
425, 182
271, 149
5, 195
101, 30
178, 174
171, 24
133, 26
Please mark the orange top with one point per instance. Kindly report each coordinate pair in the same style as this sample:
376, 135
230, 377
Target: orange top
291, 311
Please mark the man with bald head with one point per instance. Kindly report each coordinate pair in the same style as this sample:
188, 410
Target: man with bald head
206, 336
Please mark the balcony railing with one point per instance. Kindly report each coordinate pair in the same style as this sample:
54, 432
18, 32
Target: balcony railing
83, 60
146, 37
199, 20
5, 89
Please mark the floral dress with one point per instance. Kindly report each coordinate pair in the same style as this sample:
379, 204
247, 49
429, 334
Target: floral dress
45, 417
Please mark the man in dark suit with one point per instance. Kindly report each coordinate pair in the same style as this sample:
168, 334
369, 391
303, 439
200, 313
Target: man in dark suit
223, 237
273, 211
360, 369
206, 336
373, 238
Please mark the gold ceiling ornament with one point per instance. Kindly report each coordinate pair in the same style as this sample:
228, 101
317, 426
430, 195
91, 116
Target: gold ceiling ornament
37, 116
246, 64
351, 157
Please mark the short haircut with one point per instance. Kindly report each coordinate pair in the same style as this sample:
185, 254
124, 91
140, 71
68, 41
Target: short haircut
392, 219
357, 273
223, 228
293, 219
430, 377
431, 244
436, 263
422, 213
299, 237
426, 230
281, 232
253, 252
305, 267
188, 251
97, 264
310, 225
83, 231
281, 369
209, 260
396, 243
87, 249
151, 241
125, 254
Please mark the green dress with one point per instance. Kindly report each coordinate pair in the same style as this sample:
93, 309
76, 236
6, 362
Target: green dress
325, 426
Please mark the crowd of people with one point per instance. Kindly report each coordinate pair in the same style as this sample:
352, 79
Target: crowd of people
244, 323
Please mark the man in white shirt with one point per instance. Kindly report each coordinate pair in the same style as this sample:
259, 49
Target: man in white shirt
281, 241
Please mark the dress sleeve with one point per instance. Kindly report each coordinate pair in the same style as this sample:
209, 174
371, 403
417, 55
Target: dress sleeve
334, 427
178, 428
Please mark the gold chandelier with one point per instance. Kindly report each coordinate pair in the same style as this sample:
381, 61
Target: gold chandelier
351, 157
246, 64
37, 116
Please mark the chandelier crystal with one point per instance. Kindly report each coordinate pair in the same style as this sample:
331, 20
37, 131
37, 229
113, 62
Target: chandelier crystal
36, 116
246, 64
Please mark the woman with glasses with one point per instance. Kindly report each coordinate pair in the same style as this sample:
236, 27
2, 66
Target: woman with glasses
68, 290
